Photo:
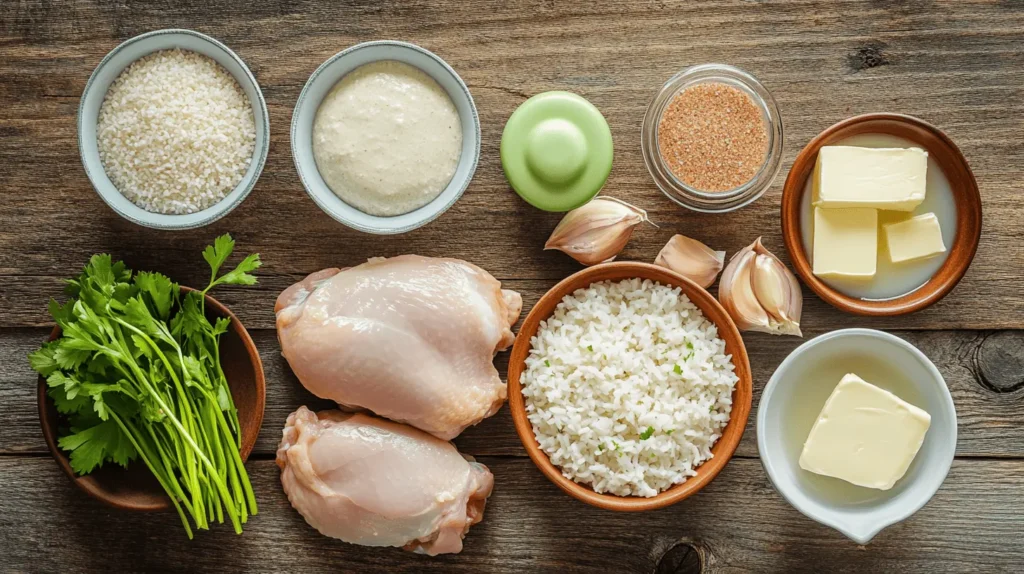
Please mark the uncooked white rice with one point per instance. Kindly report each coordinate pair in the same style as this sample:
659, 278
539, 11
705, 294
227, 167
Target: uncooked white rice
175, 132
628, 387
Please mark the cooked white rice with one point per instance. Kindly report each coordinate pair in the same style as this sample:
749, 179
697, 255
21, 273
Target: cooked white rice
628, 387
175, 132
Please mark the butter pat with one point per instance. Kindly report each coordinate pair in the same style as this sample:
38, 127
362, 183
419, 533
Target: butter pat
915, 238
864, 435
845, 242
881, 178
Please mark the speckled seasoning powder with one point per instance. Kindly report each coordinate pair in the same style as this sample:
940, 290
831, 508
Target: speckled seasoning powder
713, 136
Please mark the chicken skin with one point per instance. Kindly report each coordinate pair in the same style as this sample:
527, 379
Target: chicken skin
374, 482
410, 338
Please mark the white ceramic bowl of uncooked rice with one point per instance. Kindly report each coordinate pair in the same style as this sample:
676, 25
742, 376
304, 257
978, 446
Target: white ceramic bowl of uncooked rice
173, 129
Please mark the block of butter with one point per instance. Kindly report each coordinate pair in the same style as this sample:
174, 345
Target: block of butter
864, 435
845, 242
915, 238
882, 178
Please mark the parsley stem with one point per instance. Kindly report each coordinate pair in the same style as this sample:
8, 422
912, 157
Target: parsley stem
232, 512
164, 482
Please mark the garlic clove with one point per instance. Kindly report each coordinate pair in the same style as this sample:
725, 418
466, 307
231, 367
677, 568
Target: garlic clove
778, 291
760, 293
691, 259
597, 231
737, 296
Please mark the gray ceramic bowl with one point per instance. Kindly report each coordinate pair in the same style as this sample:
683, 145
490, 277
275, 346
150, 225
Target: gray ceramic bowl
859, 520
96, 89
321, 82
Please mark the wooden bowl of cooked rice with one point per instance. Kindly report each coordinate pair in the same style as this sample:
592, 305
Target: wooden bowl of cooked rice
629, 386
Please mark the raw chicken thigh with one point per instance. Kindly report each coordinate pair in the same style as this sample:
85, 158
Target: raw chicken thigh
410, 338
374, 482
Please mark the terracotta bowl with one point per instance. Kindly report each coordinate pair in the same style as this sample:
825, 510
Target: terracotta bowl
727, 330
135, 488
965, 194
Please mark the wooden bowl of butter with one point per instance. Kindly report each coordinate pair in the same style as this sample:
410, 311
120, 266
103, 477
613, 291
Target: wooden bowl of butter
881, 214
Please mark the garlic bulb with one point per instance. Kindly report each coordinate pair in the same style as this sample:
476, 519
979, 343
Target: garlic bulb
597, 231
691, 259
760, 293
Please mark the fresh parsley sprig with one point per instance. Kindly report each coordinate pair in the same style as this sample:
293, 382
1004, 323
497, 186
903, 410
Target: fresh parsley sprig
137, 375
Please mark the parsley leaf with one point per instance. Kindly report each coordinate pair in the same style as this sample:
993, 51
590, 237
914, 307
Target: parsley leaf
216, 254
61, 314
221, 325
91, 446
64, 404
241, 275
69, 353
159, 292
190, 321
647, 433
57, 379
677, 370
43, 360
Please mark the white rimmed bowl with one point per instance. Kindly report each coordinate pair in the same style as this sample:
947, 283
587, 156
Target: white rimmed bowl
96, 89
859, 521
321, 82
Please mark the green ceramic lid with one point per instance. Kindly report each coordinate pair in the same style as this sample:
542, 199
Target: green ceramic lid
556, 151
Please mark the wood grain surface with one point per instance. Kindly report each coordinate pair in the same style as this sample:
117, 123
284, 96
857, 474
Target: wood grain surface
958, 64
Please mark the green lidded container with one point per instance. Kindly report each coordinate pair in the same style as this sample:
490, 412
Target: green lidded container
556, 151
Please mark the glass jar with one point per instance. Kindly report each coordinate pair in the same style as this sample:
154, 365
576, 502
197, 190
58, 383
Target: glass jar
669, 183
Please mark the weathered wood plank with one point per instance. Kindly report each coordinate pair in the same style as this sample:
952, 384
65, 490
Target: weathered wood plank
956, 64
738, 521
991, 423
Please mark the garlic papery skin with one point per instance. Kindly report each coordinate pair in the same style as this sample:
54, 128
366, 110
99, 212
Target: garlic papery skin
691, 259
778, 291
597, 231
737, 296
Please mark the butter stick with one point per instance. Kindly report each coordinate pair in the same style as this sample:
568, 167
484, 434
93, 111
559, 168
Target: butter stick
880, 178
845, 243
916, 238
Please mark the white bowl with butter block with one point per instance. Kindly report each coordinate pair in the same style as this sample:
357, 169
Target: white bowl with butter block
857, 430
881, 214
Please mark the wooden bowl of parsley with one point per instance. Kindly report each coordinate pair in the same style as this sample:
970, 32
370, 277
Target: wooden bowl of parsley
146, 328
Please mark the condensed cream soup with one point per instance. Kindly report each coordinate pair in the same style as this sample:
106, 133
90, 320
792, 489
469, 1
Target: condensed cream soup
387, 138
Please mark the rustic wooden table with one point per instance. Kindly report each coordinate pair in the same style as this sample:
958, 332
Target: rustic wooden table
956, 63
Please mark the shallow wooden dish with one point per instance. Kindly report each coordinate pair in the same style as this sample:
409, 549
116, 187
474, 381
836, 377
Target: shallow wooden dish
965, 194
135, 488
741, 397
